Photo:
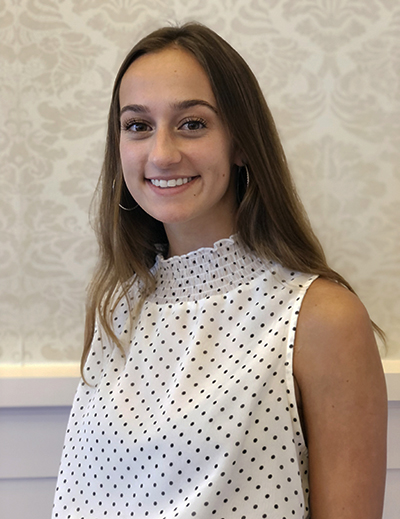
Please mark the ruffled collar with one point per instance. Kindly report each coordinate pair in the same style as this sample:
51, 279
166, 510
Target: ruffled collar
205, 272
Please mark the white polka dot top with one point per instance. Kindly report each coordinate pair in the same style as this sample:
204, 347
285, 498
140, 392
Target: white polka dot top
199, 419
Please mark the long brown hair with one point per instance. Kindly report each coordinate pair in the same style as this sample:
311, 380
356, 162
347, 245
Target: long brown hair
270, 219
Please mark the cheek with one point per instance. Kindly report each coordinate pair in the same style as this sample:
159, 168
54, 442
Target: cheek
122, 156
129, 160
124, 151
133, 153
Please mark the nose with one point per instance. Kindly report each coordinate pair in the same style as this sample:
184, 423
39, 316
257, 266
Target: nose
164, 151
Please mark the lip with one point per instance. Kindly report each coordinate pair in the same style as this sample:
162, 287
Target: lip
182, 183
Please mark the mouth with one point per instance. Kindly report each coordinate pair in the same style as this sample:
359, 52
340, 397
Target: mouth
173, 182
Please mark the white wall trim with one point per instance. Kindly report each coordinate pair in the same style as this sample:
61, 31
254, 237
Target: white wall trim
38, 385
54, 385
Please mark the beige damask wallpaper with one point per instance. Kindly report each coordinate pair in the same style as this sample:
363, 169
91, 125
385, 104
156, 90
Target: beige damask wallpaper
330, 71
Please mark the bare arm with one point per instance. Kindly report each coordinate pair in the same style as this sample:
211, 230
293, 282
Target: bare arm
343, 397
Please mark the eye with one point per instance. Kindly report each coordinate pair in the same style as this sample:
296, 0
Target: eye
193, 124
133, 125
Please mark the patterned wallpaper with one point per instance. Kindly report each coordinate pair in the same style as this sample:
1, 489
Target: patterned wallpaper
330, 71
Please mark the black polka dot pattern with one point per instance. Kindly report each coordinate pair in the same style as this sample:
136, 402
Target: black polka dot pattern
199, 419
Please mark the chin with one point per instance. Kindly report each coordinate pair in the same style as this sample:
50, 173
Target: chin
171, 218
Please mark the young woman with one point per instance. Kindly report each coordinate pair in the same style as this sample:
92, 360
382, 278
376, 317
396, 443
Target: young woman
227, 370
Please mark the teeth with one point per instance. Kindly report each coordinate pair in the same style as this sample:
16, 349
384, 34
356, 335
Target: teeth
170, 183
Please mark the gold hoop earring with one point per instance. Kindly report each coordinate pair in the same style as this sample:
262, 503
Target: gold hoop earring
119, 204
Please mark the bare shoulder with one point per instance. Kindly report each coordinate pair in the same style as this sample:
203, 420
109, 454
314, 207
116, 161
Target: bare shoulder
335, 344
331, 308
333, 321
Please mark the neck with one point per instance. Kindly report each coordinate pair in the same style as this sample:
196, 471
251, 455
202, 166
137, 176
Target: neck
181, 242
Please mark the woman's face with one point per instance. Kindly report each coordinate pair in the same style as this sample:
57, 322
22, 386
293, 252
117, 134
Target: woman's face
176, 154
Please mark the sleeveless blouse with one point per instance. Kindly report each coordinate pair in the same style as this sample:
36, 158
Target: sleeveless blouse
199, 417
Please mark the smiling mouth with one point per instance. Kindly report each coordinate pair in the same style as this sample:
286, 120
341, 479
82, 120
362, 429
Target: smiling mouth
170, 183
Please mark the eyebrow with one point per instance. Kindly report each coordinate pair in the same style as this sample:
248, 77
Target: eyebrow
180, 105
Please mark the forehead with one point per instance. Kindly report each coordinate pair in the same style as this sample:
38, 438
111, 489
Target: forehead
169, 72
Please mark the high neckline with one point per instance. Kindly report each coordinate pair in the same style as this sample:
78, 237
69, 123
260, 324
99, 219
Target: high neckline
205, 272
201, 250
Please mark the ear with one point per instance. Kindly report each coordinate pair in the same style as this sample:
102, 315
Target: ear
239, 159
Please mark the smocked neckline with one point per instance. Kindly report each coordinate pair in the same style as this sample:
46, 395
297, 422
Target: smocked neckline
205, 272
218, 246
